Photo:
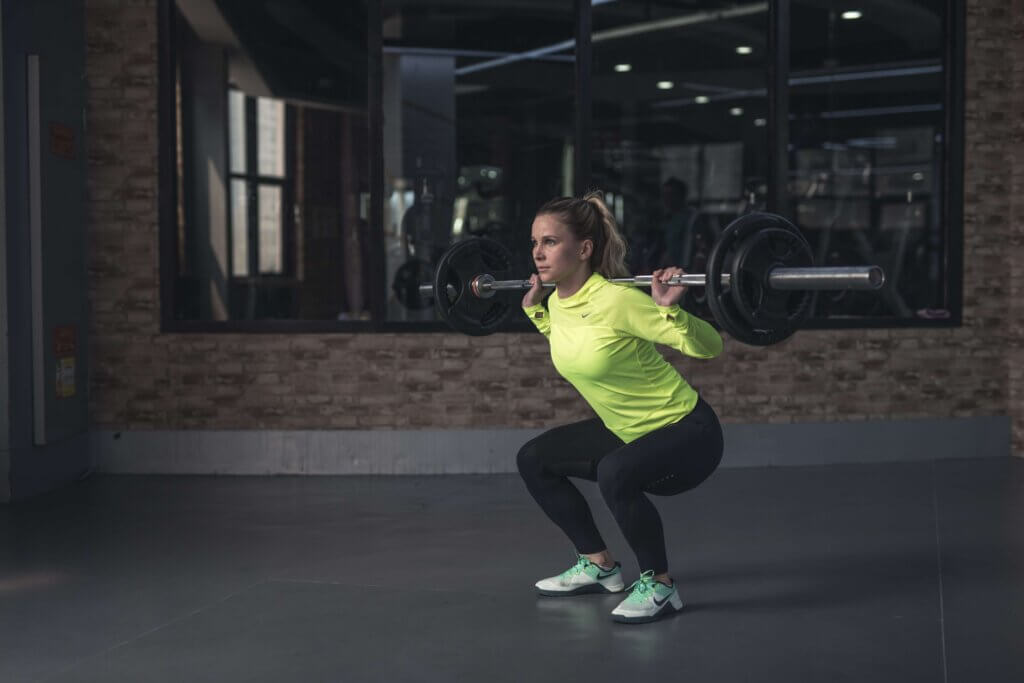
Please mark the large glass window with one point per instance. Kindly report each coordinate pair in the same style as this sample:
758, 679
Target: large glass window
679, 107
328, 153
271, 104
478, 129
867, 117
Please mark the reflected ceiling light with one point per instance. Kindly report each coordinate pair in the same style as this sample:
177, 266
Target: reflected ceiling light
736, 111
760, 123
744, 50
867, 75
665, 85
852, 14
701, 99
885, 142
623, 32
879, 111
918, 176
623, 68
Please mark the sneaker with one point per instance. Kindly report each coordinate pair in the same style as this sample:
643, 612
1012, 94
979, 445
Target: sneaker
647, 601
583, 577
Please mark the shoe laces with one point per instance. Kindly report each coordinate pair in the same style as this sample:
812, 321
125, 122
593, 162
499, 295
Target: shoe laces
642, 586
581, 564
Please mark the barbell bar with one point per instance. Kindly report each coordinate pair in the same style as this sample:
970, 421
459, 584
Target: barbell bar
485, 286
759, 282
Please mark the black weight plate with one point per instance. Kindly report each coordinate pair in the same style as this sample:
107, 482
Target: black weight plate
719, 298
695, 300
454, 302
406, 285
753, 261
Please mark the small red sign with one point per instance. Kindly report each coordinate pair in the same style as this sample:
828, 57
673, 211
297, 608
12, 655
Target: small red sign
62, 140
64, 344
64, 341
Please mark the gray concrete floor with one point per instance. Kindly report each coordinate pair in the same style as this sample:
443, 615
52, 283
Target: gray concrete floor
896, 572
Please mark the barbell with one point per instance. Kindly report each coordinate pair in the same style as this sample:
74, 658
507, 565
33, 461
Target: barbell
759, 282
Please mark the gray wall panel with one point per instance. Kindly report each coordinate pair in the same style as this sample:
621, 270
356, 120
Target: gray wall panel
30, 29
5, 435
490, 451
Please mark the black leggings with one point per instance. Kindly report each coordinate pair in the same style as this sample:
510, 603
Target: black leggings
667, 461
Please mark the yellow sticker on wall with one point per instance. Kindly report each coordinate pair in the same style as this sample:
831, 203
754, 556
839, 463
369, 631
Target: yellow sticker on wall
65, 377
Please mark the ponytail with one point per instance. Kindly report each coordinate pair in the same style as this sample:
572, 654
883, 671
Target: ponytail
611, 260
590, 219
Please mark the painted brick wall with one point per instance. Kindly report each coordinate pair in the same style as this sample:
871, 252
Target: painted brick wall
146, 380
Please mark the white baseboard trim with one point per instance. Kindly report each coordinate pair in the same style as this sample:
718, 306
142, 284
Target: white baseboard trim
486, 451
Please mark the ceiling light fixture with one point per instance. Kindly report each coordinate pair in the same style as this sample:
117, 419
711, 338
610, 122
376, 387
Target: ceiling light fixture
736, 111
744, 50
665, 85
701, 99
852, 14
623, 68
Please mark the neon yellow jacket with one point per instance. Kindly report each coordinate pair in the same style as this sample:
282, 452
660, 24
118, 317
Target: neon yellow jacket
602, 341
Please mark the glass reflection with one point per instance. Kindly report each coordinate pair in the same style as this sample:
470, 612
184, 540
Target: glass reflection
271, 107
272, 114
679, 106
478, 129
866, 150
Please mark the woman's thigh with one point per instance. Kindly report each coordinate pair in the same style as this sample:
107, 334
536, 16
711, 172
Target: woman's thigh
571, 450
669, 460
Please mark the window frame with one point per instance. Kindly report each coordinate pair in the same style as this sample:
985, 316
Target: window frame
778, 74
253, 182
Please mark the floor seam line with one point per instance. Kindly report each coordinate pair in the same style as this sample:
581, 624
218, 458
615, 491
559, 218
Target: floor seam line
938, 562
151, 631
350, 584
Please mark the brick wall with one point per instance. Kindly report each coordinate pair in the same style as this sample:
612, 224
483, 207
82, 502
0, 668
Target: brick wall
1013, 26
146, 380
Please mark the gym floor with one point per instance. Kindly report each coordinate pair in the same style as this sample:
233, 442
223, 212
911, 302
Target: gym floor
894, 572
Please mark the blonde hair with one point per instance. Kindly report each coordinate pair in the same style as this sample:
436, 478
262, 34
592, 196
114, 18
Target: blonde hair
589, 218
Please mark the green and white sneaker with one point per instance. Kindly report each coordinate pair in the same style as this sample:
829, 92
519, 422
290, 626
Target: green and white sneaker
582, 577
647, 601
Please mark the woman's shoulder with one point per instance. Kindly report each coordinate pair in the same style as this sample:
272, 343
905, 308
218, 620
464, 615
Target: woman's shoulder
616, 293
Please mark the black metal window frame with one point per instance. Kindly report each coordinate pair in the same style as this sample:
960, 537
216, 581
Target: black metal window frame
778, 132
253, 181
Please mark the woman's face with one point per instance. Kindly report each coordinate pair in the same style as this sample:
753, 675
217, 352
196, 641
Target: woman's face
556, 251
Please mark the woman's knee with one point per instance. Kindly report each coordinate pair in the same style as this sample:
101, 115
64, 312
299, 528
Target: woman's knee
674, 483
528, 460
611, 480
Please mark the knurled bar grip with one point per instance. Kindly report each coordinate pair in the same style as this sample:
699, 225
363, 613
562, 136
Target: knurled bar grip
840, 277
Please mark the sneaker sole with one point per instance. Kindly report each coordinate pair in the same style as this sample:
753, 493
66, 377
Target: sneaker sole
666, 610
582, 590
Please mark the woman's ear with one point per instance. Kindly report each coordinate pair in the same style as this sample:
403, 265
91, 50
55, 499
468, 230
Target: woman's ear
586, 250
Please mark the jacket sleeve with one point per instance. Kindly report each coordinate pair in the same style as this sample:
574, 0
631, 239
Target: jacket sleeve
538, 315
634, 312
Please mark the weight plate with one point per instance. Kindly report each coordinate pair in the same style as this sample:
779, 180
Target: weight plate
755, 258
454, 302
406, 285
720, 300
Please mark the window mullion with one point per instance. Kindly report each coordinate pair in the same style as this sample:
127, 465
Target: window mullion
778, 105
584, 115
252, 185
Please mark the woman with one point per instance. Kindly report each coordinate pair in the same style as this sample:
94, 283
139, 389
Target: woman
653, 433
